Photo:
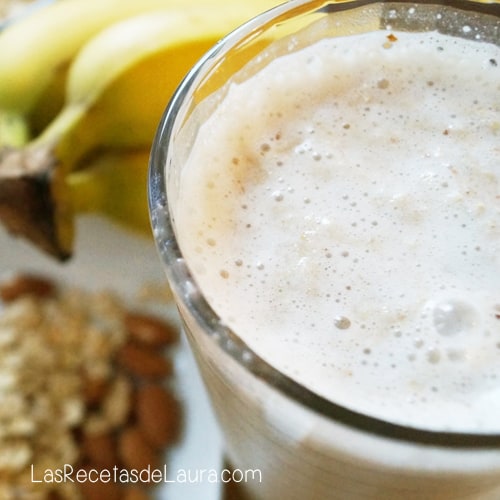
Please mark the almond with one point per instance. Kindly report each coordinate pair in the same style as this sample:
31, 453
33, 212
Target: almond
144, 362
150, 330
135, 493
99, 450
158, 415
134, 450
99, 490
26, 284
53, 495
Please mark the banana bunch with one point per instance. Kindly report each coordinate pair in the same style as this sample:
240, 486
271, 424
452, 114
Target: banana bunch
83, 85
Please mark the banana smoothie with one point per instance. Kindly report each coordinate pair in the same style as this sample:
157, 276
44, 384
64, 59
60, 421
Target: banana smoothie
339, 209
344, 221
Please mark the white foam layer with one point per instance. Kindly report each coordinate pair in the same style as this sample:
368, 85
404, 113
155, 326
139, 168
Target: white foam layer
341, 213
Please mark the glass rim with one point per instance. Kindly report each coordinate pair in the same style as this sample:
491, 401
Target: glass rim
186, 289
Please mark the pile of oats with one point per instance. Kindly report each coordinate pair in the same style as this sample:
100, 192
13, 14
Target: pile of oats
65, 382
48, 348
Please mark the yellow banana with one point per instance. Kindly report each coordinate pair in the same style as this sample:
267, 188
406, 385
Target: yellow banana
116, 92
122, 79
32, 49
120, 83
36, 51
138, 61
114, 185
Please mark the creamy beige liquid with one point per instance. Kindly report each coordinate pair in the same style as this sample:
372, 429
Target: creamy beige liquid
344, 220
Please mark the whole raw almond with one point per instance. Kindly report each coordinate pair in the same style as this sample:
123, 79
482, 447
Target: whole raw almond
144, 362
26, 284
99, 450
135, 451
54, 495
150, 330
99, 490
158, 414
134, 493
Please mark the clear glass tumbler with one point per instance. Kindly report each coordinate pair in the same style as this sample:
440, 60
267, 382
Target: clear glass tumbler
300, 445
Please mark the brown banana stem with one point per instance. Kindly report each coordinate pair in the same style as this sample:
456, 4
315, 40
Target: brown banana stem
28, 207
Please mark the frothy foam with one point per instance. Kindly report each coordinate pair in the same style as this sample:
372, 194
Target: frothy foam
341, 213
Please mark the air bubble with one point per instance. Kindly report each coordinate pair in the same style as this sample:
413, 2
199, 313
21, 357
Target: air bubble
453, 317
278, 196
456, 355
342, 322
433, 356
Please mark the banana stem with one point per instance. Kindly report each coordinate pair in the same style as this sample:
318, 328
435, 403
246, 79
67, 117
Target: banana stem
21, 207
14, 131
34, 202
62, 135
29, 187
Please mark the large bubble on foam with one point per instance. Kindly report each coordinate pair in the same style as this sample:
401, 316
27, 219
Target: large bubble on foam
454, 317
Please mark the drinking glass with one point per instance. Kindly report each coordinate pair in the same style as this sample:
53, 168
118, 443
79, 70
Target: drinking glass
286, 441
